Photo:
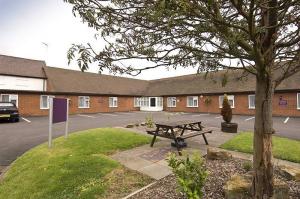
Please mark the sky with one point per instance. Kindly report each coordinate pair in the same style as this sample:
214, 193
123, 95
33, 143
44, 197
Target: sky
26, 24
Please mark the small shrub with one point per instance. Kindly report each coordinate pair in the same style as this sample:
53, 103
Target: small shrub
190, 173
247, 165
226, 111
149, 121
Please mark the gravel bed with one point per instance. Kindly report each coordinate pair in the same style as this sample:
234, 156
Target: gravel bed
219, 172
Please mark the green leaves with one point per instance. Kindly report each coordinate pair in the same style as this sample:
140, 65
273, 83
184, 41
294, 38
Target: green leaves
190, 173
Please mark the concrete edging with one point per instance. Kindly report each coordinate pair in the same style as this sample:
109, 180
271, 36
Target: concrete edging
141, 189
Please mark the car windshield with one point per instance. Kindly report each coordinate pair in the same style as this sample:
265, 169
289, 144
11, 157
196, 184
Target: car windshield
6, 104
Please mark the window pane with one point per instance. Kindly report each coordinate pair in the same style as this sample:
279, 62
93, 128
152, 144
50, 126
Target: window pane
44, 101
5, 98
190, 101
251, 101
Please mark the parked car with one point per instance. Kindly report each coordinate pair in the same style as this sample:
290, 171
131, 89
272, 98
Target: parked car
9, 112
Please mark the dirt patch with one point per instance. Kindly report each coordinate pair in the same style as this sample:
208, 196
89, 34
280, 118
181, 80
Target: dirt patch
220, 172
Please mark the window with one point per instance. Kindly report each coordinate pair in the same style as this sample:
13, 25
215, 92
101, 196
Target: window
230, 99
9, 98
113, 102
137, 102
298, 101
145, 101
251, 100
83, 102
45, 101
192, 101
159, 101
171, 102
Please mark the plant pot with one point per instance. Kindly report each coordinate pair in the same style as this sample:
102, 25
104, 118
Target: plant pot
229, 127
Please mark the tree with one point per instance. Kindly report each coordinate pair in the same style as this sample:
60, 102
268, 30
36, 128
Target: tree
260, 37
226, 110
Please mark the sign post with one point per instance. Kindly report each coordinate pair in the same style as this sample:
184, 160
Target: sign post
50, 121
58, 112
67, 120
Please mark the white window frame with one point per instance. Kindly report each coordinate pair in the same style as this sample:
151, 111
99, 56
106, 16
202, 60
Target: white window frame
86, 101
194, 98
114, 102
137, 102
145, 102
249, 104
10, 96
48, 101
159, 102
171, 102
298, 101
230, 97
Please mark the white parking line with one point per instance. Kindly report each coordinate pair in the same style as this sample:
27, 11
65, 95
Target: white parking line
250, 118
286, 120
200, 115
108, 114
218, 117
124, 113
26, 120
86, 116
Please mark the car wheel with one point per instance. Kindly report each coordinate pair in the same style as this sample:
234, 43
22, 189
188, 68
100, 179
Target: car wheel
16, 120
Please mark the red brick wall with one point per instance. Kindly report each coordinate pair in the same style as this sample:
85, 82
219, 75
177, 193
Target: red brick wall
241, 105
29, 105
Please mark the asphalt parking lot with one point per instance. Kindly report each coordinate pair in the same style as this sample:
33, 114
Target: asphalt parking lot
17, 138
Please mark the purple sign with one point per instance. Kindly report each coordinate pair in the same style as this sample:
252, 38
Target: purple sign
283, 102
59, 110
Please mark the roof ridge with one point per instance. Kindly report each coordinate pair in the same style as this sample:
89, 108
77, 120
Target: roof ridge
92, 73
29, 59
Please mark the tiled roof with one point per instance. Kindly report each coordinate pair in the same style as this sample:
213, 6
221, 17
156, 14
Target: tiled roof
21, 67
71, 81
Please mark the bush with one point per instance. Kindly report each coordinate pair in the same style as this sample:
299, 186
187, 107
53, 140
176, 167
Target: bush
149, 121
226, 111
190, 173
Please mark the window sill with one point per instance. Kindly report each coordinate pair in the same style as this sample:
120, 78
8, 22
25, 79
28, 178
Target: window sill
83, 107
192, 106
113, 107
251, 108
44, 108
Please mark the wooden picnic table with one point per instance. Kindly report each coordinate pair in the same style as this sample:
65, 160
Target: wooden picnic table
177, 131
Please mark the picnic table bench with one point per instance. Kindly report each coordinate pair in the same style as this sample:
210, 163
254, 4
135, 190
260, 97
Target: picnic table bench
177, 131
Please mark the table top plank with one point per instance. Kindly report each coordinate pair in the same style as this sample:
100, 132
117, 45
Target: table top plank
174, 124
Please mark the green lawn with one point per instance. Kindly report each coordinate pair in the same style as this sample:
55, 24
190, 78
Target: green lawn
283, 148
75, 168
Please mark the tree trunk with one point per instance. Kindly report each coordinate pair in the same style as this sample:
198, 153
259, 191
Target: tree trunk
262, 142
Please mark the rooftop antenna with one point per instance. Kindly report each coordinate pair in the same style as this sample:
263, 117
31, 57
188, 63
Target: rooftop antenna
46, 45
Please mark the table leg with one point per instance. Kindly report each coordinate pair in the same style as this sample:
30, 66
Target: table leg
154, 137
204, 137
183, 129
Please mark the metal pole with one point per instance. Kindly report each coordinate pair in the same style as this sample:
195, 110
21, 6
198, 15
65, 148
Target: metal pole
50, 121
67, 120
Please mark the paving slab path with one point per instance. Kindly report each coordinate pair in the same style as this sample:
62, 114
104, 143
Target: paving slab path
152, 160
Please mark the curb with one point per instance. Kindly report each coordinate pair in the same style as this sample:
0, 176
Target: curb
3, 172
141, 189
247, 156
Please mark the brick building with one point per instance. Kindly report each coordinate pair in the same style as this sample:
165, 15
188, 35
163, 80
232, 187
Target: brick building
30, 83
